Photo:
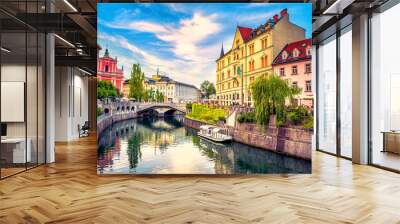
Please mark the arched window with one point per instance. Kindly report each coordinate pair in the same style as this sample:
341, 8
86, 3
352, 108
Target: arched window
106, 68
264, 61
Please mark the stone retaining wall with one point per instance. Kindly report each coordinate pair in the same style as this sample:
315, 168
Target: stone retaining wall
104, 121
293, 141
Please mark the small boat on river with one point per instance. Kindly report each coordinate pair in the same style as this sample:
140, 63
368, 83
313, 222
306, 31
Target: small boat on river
214, 133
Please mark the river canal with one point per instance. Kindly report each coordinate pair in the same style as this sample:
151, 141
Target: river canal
164, 146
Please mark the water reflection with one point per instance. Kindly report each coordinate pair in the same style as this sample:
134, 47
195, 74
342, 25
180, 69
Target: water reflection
165, 146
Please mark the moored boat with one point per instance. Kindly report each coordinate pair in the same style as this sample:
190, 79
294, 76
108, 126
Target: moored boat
214, 133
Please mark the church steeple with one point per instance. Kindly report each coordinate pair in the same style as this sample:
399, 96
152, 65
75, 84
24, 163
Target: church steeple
106, 54
222, 51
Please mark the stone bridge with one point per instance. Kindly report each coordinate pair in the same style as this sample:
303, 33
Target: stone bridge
161, 108
112, 112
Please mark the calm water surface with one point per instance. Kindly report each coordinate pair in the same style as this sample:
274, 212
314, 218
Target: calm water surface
164, 146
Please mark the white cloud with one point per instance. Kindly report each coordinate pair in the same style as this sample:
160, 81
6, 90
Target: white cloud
184, 39
183, 71
145, 26
193, 63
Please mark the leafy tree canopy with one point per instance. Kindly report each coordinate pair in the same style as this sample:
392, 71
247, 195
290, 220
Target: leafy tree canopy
270, 94
106, 89
207, 88
136, 83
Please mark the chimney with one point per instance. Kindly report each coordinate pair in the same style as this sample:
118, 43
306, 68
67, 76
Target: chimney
284, 13
275, 18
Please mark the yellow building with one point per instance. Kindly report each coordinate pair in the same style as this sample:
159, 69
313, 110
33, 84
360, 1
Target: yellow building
125, 89
251, 56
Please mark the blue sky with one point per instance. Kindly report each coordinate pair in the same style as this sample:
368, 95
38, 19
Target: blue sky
182, 40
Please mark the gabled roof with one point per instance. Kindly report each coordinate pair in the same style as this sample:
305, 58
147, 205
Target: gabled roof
248, 33
245, 32
301, 46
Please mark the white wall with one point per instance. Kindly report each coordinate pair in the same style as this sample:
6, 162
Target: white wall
71, 102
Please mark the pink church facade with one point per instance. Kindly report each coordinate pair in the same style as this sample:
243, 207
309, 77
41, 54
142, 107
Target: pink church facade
107, 70
293, 63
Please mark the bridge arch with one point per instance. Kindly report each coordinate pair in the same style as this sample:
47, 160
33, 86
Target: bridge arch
164, 109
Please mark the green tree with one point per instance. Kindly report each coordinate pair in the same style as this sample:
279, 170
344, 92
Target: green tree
147, 95
159, 96
106, 89
136, 83
270, 94
207, 88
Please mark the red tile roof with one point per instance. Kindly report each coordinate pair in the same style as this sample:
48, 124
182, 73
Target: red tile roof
289, 48
245, 32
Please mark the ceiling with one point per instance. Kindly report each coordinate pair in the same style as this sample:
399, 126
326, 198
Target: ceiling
73, 21
327, 13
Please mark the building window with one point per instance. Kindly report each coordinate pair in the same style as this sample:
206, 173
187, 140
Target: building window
295, 52
284, 55
229, 73
282, 71
264, 61
229, 85
251, 49
308, 51
294, 70
251, 65
294, 84
106, 68
251, 79
308, 68
308, 86
264, 43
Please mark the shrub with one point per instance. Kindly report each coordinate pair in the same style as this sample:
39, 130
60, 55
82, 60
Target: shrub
189, 106
250, 117
99, 112
309, 123
221, 118
240, 118
294, 117
298, 115
246, 117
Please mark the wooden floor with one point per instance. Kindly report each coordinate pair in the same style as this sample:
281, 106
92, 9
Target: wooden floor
70, 191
